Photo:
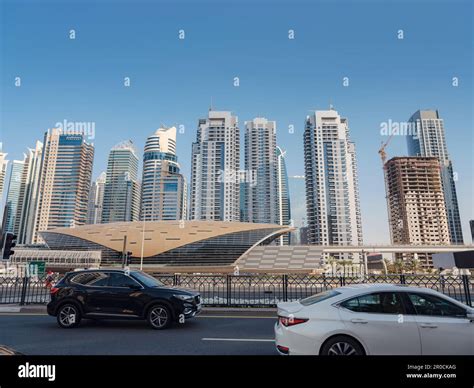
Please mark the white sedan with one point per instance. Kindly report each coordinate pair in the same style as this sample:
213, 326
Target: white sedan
372, 319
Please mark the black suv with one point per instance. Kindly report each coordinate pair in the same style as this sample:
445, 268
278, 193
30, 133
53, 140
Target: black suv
119, 294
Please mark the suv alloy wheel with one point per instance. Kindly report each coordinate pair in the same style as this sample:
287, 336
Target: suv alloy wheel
159, 317
68, 316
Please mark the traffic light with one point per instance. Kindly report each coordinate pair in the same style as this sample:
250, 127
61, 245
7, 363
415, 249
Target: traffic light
9, 241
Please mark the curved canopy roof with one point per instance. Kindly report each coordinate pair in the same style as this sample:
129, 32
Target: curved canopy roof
160, 236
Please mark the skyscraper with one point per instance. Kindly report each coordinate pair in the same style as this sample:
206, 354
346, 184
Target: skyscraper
332, 193
283, 195
429, 140
163, 186
96, 200
261, 168
65, 180
13, 195
215, 171
3, 169
415, 200
29, 194
121, 200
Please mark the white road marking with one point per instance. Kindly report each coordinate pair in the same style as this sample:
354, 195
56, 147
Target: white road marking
239, 339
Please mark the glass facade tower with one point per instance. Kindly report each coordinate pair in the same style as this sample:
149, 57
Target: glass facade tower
429, 140
121, 200
65, 181
332, 194
215, 170
163, 187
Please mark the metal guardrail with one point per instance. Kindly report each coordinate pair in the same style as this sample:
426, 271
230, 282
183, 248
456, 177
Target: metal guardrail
24, 290
253, 290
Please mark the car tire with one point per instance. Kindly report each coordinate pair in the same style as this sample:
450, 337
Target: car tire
159, 316
342, 346
68, 316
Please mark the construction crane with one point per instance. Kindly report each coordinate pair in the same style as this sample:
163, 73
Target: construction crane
382, 153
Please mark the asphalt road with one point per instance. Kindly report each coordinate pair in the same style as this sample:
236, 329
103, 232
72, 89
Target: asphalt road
38, 334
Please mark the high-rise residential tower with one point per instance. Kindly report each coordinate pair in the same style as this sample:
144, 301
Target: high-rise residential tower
121, 200
415, 201
283, 195
3, 170
96, 200
429, 139
163, 186
65, 180
29, 194
13, 196
261, 169
332, 193
215, 171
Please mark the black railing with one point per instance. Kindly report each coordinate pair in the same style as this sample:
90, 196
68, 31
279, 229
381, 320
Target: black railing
24, 290
253, 290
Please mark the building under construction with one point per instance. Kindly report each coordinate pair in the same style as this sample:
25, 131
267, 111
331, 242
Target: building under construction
415, 200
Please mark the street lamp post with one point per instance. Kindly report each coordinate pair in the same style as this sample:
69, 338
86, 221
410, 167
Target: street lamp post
143, 245
366, 267
124, 251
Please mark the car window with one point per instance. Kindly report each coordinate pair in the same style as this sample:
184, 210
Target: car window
378, 303
318, 297
121, 280
92, 279
146, 279
426, 304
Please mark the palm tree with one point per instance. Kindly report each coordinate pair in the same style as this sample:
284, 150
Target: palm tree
430, 271
395, 267
413, 265
332, 262
344, 264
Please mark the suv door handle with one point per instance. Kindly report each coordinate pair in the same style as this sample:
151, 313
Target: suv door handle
428, 325
358, 320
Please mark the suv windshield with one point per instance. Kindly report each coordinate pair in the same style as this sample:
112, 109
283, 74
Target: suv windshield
146, 279
318, 297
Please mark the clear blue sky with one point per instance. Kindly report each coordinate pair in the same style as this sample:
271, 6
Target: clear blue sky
173, 81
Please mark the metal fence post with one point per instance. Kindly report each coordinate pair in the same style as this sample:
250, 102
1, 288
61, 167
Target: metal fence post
467, 289
285, 287
442, 282
402, 279
229, 289
342, 281
175, 280
24, 287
